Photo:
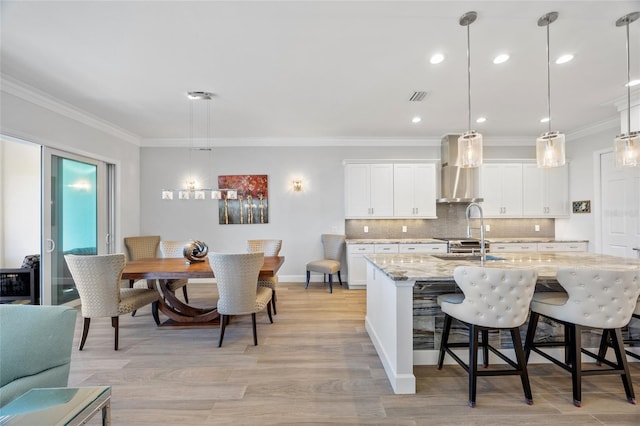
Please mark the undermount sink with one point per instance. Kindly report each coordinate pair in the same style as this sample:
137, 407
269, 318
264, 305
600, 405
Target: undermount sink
465, 256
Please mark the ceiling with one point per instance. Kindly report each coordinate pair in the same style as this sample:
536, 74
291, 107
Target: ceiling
322, 70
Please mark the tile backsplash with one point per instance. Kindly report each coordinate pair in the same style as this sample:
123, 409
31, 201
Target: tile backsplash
451, 222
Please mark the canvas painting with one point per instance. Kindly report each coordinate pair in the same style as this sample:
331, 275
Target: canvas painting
245, 200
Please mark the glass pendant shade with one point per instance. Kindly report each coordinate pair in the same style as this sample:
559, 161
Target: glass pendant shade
470, 150
627, 148
550, 150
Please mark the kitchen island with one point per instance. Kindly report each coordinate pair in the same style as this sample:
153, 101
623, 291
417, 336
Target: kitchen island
391, 312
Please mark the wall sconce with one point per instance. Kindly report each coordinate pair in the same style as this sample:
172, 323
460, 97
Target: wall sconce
297, 185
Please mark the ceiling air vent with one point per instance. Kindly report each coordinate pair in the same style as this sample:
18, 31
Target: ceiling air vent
417, 96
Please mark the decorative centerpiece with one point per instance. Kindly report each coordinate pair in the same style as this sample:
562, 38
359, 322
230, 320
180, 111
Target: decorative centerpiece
195, 251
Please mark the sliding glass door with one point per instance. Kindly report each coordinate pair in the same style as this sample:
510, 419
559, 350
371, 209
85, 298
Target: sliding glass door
75, 200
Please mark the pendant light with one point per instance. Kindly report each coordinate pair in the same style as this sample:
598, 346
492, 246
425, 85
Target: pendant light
627, 145
470, 143
550, 145
191, 190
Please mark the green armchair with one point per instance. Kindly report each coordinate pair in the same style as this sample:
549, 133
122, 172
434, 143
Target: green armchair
35, 348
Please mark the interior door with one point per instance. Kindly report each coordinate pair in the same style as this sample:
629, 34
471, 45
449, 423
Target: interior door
74, 218
620, 211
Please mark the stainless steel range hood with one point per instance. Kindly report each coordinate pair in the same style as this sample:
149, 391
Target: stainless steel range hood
457, 185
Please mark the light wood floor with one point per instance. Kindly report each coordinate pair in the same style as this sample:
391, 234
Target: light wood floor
314, 365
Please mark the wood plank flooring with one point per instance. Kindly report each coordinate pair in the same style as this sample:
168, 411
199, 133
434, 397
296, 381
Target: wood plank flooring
314, 365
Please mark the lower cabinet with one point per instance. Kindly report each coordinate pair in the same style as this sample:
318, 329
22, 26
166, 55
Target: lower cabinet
512, 247
559, 247
357, 264
538, 247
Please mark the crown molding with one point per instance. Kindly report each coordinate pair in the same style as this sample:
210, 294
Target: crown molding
289, 142
601, 126
30, 94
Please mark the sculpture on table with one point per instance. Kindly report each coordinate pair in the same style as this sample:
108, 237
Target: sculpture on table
195, 251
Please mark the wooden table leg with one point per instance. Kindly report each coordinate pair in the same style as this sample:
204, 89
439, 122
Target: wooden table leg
181, 314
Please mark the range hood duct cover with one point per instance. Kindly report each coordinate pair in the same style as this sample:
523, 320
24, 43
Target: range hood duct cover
458, 185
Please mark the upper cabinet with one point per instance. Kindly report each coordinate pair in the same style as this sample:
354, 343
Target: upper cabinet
501, 188
524, 190
414, 190
547, 191
369, 190
401, 190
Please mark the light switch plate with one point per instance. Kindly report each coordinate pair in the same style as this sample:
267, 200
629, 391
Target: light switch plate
404, 228
536, 228
366, 229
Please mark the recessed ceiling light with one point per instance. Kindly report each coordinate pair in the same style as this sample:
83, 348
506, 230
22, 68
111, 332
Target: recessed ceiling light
416, 119
501, 58
481, 120
633, 83
564, 59
437, 58
544, 120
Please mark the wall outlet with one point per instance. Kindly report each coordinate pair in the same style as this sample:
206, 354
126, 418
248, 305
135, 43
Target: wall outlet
366, 229
487, 227
536, 228
404, 228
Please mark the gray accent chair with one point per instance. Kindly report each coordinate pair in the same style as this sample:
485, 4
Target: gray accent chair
333, 246
35, 348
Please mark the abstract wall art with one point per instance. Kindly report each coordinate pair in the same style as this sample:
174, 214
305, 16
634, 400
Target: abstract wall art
247, 201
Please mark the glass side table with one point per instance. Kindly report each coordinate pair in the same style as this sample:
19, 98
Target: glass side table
58, 406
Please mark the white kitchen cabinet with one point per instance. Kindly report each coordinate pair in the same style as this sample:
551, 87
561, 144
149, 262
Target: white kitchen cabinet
369, 190
562, 247
501, 188
513, 247
414, 190
391, 248
357, 264
546, 191
423, 248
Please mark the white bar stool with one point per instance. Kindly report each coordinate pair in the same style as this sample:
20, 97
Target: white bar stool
595, 299
493, 299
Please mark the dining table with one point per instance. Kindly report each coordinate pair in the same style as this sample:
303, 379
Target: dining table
159, 272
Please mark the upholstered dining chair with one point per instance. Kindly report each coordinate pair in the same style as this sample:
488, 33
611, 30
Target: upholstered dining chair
143, 247
333, 246
97, 279
236, 276
269, 248
594, 298
175, 249
494, 299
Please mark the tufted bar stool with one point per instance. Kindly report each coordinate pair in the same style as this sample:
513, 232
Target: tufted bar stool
595, 299
494, 299
605, 342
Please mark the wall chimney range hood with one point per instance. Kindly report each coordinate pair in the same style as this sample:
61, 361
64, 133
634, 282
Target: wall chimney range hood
457, 185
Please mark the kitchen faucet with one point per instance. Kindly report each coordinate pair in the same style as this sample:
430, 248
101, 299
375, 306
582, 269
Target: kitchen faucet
467, 213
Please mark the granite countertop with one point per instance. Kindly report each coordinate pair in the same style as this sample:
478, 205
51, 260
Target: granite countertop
423, 267
394, 241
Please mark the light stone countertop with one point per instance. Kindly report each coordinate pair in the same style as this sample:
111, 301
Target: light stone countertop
394, 241
423, 267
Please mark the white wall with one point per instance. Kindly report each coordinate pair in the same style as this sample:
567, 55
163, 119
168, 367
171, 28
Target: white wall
296, 218
20, 202
37, 122
582, 185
